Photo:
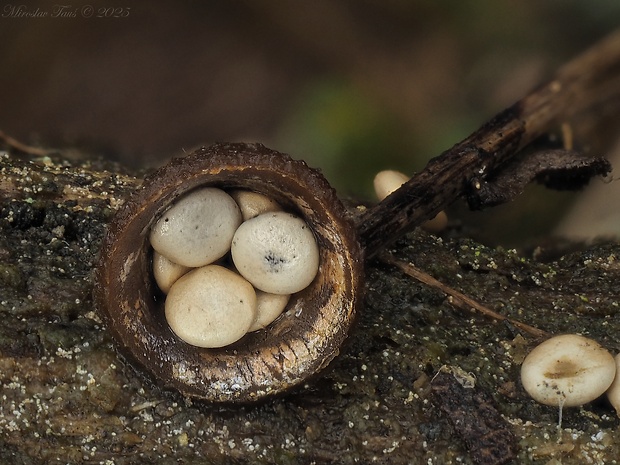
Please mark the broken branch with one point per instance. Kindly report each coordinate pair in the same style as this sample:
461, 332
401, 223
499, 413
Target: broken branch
591, 79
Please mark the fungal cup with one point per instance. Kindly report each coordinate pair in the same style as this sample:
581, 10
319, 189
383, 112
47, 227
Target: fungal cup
297, 345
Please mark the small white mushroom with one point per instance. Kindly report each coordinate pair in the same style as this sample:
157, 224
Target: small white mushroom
253, 204
567, 370
211, 307
268, 308
276, 252
166, 272
388, 181
198, 229
436, 224
613, 393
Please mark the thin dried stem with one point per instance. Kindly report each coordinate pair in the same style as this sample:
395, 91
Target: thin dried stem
30, 150
456, 298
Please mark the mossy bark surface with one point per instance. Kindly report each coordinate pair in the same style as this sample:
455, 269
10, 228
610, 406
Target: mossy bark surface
69, 397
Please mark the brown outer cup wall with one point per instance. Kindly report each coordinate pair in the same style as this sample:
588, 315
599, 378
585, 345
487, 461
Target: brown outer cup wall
297, 345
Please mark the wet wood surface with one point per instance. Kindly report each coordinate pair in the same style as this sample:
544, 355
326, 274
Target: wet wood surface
68, 396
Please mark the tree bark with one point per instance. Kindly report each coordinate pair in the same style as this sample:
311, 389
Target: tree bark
68, 396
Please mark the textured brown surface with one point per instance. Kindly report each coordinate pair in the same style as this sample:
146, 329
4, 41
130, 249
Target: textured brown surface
69, 397
475, 418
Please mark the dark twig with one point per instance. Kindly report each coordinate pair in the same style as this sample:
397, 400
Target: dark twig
556, 168
591, 79
456, 298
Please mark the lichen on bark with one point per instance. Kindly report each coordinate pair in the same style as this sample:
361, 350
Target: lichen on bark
69, 396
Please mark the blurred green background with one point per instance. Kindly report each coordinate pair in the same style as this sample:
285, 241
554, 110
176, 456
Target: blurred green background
352, 87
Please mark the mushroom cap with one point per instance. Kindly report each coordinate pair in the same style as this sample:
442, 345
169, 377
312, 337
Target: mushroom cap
613, 393
567, 370
436, 224
387, 181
